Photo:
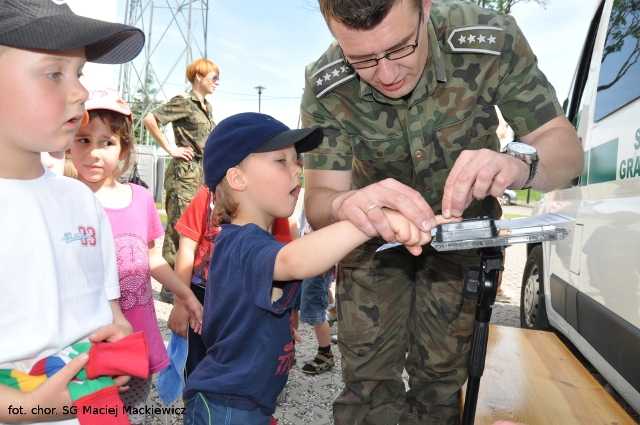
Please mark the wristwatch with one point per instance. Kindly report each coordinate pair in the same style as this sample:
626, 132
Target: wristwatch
525, 153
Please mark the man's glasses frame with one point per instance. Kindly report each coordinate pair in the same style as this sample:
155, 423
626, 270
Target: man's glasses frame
394, 55
213, 78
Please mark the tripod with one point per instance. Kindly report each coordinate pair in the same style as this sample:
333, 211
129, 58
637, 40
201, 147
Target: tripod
481, 284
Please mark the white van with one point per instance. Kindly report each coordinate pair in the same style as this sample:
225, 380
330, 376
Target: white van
587, 286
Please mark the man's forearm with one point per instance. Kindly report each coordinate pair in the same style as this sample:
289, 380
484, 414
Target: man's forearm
560, 152
559, 161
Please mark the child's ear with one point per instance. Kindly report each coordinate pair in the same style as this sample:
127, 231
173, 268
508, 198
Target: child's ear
235, 179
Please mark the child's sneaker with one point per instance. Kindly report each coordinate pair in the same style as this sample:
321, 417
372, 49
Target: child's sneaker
321, 363
273, 421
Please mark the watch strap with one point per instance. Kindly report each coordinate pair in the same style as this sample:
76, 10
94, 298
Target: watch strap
533, 168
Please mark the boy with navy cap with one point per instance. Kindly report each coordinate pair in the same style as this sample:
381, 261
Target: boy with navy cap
58, 272
252, 163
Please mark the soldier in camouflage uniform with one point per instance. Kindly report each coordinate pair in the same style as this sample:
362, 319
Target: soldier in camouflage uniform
190, 116
414, 129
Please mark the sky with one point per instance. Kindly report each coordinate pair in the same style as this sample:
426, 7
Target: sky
268, 43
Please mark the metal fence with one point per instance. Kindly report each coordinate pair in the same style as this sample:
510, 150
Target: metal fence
151, 167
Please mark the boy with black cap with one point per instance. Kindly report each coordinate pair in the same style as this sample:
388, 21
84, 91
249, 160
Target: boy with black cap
251, 161
58, 275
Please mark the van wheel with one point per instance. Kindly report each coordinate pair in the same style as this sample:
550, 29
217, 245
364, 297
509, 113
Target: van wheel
533, 312
505, 200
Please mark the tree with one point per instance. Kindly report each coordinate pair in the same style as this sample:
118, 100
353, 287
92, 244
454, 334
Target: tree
624, 27
506, 5
143, 102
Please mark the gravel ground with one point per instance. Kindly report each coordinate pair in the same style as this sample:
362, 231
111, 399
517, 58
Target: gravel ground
307, 399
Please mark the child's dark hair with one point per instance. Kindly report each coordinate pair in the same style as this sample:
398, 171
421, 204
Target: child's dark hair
119, 125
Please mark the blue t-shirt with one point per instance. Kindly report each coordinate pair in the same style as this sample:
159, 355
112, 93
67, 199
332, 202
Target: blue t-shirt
249, 344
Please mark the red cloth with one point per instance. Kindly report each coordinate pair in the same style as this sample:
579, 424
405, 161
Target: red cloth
193, 224
103, 407
127, 356
281, 230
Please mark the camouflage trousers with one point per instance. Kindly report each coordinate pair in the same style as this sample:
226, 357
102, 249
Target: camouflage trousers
182, 180
395, 312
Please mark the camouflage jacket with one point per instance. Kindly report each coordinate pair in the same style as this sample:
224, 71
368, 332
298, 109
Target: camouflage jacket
477, 59
191, 124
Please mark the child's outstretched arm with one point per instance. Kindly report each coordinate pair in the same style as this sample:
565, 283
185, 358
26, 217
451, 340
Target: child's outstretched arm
163, 273
18, 406
179, 316
320, 250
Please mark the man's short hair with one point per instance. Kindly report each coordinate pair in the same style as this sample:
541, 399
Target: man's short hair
359, 14
201, 66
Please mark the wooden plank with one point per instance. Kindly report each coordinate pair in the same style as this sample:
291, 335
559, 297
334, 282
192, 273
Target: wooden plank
531, 377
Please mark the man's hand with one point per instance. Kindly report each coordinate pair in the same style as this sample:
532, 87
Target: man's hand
359, 207
478, 174
182, 152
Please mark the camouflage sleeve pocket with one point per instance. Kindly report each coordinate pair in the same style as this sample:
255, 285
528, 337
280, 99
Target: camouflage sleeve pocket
474, 132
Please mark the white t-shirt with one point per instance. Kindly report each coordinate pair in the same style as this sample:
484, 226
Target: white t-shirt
57, 267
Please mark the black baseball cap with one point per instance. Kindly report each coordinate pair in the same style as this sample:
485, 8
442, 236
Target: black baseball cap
235, 137
51, 25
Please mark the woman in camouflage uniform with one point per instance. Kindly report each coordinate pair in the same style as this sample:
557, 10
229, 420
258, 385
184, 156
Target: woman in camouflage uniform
190, 115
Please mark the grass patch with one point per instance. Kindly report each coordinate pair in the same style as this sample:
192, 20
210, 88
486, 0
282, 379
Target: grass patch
163, 218
510, 216
534, 196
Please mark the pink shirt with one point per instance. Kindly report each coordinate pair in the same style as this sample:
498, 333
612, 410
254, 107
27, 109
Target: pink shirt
134, 226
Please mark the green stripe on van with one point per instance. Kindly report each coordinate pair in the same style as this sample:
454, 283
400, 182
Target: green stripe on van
603, 162
585, 170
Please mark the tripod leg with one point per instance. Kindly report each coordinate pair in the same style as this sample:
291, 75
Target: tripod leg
491, 260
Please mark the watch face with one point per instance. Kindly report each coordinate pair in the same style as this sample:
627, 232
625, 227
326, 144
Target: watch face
522, 148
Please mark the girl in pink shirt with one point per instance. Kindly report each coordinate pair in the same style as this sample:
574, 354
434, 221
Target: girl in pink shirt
101, 152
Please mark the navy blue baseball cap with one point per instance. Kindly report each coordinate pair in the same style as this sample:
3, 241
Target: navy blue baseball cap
235, 137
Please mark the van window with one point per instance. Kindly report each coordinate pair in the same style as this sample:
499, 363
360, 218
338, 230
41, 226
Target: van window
619, 80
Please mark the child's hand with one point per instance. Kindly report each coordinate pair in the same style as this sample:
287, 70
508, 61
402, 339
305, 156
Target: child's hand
178, 318
194, 308
111, 333
53, 392
296, 336
406, 232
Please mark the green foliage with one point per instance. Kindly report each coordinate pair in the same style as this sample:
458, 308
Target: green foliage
506, 5
143, 102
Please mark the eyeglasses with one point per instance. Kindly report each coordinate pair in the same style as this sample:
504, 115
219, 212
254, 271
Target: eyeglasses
400, 53
214, 78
